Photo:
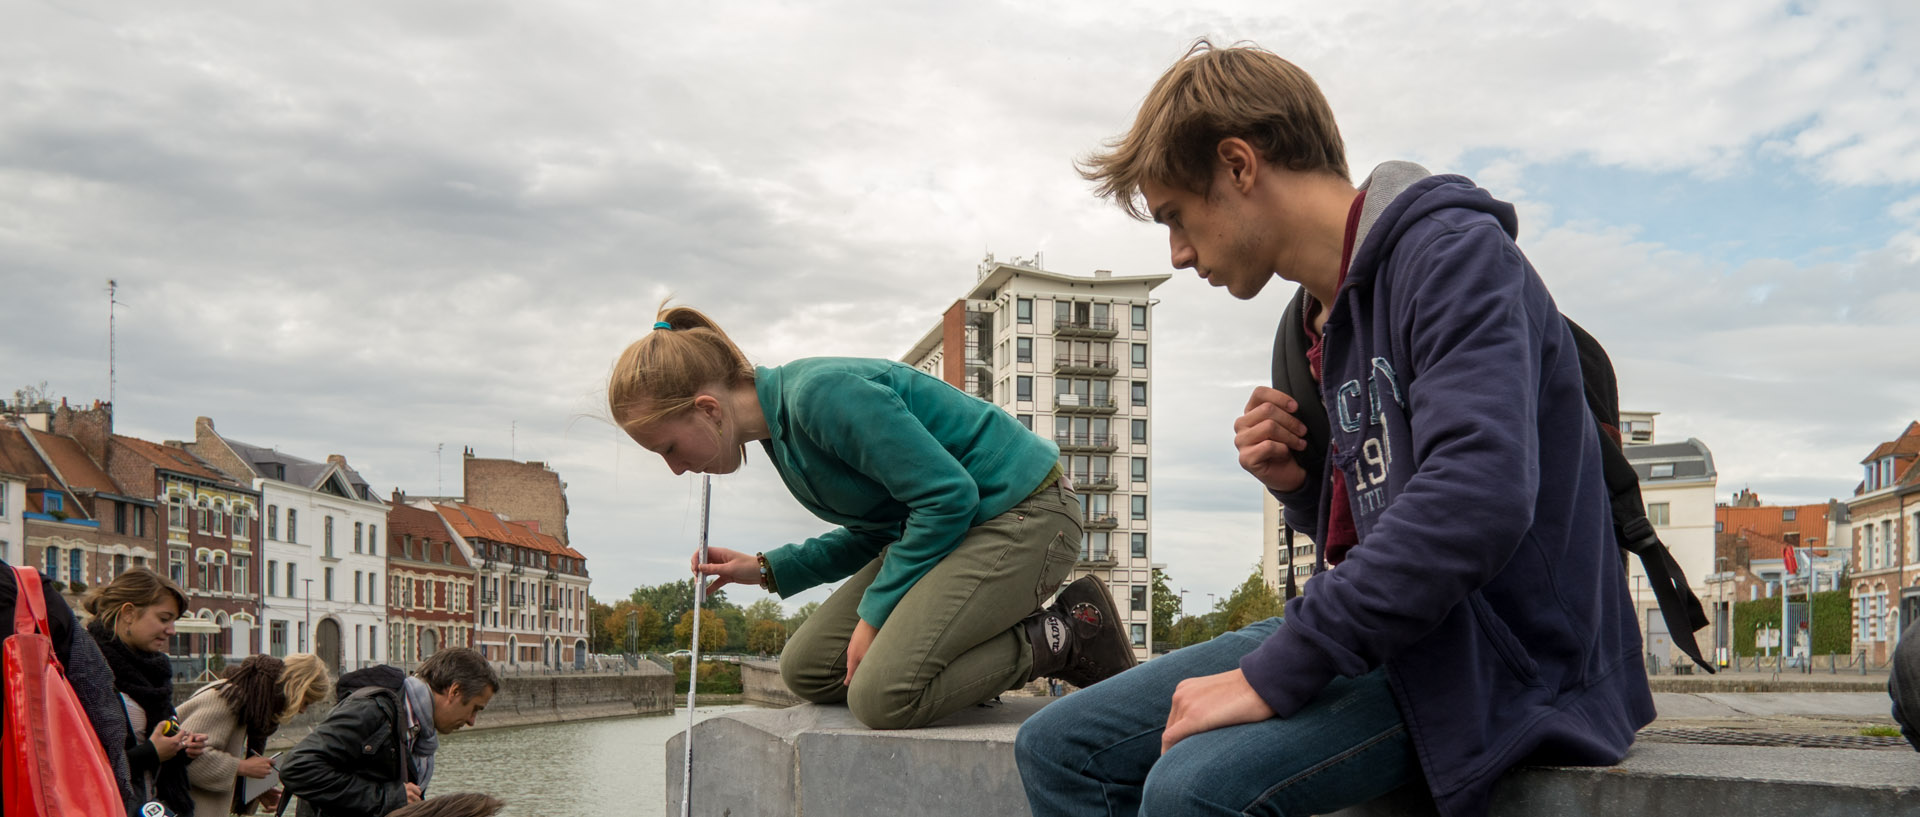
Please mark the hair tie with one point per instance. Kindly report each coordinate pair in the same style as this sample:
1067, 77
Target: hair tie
662, 325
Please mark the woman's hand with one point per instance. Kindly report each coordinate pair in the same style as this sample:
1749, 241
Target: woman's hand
195, 744
256, 767
727, 567
857, 645
166, 746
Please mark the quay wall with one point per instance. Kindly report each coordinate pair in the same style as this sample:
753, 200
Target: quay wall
526, 700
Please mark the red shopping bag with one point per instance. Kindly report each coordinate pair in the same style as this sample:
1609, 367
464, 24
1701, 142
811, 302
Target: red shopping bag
54, 765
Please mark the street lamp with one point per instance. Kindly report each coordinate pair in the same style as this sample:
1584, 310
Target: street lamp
1183, 601
1723, 616
306, 624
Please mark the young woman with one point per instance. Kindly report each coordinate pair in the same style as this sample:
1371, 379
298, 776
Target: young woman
237, 715
132, 619
955, 522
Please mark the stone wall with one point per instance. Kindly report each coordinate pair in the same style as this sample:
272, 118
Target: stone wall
761, 683
524, 491
527, 700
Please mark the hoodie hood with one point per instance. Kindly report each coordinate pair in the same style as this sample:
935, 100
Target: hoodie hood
1400, 194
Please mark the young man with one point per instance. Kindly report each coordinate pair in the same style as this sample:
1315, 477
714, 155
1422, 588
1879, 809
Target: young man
1428, 427
373, 755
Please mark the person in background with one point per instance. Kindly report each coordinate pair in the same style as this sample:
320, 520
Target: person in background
373, 755
1903, 684
133, 618
237, 715
87, 672
454, 805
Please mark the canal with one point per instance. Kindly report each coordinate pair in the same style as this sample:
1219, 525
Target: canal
580, 769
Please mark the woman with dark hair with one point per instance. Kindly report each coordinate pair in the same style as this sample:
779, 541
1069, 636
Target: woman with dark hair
237, 715
132, 619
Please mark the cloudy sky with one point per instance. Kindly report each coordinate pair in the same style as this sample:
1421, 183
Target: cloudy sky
378, 229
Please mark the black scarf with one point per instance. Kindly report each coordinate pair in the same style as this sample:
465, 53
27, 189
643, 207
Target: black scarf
147, 678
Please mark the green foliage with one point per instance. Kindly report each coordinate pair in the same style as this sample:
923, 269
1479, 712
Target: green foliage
1880, 731
713, 631
716, 677
602, 639
765, 609
1832, 623
800, 616
633, 628
1166, 606
1252, 601
767, 637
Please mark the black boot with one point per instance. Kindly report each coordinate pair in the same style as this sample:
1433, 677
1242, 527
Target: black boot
1080, 639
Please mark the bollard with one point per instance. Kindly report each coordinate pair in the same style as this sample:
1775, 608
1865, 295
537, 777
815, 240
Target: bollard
1863, 662
1833, 666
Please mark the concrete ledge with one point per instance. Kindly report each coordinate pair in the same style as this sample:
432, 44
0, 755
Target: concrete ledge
815, 760
763, 685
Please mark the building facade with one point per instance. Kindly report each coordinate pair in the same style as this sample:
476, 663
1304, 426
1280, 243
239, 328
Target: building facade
1286, 560
211, 540
532, 590
431, 602
1677, 483
324, 580
526, 492
1070, 357
1884, 515
13, 531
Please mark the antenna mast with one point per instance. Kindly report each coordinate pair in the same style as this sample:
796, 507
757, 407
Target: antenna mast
113, 378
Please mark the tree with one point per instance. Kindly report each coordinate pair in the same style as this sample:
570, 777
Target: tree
767, 637
765, 609
631, 627
1252, 601
673, 600
1166, 605
713, 631
602, 639
1186, 632
801, 615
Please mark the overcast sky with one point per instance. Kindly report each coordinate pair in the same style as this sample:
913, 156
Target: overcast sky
374, 229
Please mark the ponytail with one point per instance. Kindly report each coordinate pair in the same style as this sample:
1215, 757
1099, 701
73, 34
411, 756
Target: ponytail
659, 375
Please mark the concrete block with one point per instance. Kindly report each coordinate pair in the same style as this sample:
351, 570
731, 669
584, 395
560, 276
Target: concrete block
817, 760
813, 759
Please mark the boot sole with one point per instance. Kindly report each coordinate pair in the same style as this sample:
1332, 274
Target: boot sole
1112, 612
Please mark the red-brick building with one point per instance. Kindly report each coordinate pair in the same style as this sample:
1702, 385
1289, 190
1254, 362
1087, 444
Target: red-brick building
430, 593
532, 589
80, 528
212, 540
1884, 521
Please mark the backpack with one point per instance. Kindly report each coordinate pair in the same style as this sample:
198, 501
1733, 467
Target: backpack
385, 676
47, 772
1679, 606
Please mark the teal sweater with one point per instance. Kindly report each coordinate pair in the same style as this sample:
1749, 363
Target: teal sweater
897, 457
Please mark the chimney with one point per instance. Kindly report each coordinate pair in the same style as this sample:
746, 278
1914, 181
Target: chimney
336, 459
90, 427
1103, 273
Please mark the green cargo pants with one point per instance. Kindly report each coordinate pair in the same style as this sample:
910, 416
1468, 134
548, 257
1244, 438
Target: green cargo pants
955, 639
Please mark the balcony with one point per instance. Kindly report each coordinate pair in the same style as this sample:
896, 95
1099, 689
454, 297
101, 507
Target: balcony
1098, 365
1101, 522
1100, 557
517, 600
515, 571
1079, 327
1098, 481
1087, 442
549, 606
1082, 404
489, 597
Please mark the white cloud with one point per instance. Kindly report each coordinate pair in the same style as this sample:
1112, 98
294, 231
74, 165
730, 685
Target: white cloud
438, 223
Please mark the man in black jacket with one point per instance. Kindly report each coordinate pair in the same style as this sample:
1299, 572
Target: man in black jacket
374, 752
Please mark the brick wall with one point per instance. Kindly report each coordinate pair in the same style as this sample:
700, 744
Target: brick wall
523, 491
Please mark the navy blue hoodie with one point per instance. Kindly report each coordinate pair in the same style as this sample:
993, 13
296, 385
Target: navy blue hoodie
1487, 579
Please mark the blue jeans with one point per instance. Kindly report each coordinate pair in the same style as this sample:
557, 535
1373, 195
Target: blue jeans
1097, 751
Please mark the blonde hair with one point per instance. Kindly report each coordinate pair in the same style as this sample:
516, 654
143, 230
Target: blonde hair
304, 682
659, 375
1209, 95
139, 587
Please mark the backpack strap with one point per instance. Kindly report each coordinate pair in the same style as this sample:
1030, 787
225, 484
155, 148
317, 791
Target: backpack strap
29, 605
1679, 606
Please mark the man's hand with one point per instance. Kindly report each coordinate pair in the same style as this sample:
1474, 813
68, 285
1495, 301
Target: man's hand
857, 645
270, 801
727, 567
413, 793
256, 767
1266, 435
1210, 702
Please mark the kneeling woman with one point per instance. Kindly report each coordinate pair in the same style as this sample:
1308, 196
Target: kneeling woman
237, 715
956, 524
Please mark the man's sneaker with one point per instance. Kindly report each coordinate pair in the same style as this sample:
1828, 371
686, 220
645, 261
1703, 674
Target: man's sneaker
1079, 639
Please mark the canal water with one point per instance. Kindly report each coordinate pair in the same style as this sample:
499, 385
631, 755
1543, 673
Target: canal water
581, 769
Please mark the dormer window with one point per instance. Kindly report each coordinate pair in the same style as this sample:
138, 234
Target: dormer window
1661, 470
